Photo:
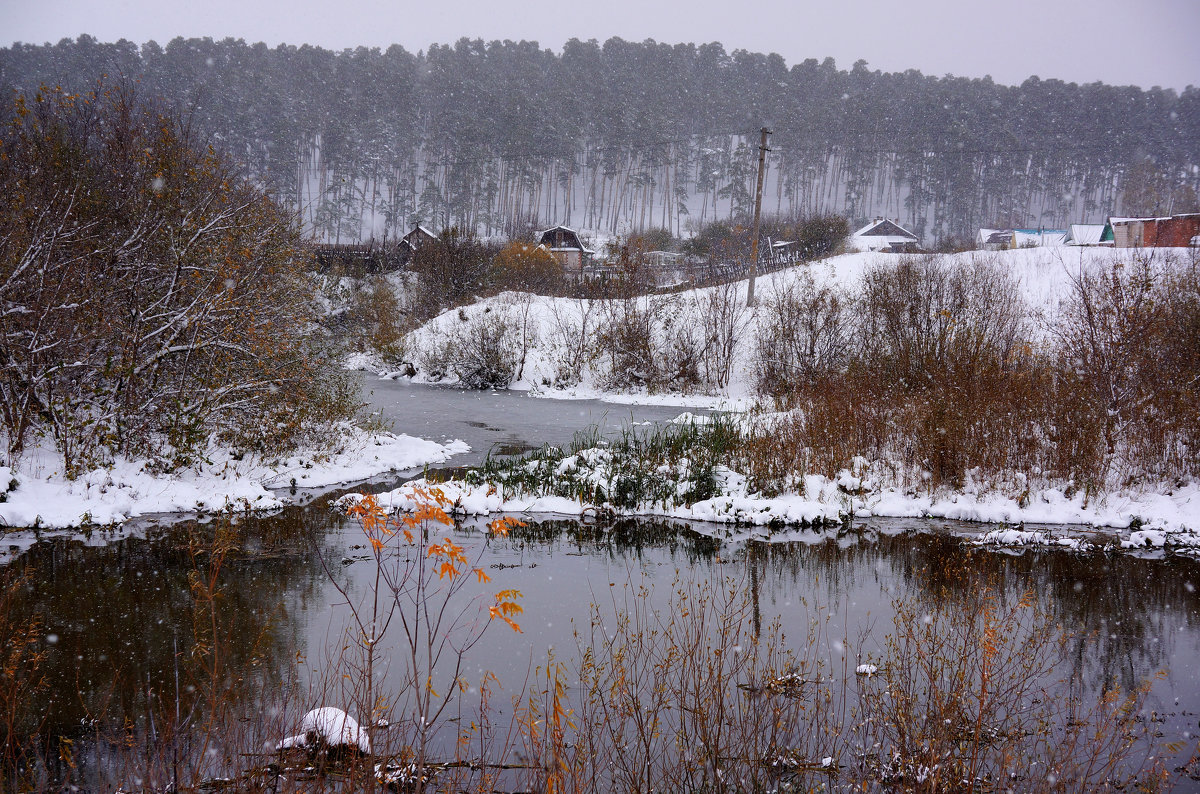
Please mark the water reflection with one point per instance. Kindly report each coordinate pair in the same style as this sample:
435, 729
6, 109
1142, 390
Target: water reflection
124, 616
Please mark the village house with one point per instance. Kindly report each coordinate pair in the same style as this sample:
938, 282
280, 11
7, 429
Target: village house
884, 236
994, 239
412, 242
1175, 231
564, 244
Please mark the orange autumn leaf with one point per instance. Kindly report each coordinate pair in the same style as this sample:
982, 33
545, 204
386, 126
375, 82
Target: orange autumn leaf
428, 512
496, 612
502, 526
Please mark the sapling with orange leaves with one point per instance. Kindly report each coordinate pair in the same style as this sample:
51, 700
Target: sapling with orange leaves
418, 589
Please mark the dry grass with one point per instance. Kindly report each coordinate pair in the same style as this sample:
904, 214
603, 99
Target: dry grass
943, 372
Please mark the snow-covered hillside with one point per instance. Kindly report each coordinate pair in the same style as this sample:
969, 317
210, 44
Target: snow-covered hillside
553, 329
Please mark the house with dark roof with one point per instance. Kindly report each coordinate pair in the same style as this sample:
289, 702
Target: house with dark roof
411, 243
884, 236
995, 239
564, 244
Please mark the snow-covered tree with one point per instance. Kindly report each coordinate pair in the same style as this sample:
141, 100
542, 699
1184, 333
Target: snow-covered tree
149, 295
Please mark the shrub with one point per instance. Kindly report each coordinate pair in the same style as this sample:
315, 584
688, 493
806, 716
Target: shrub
526, 267
377, 319
1127, 345
724, 318
821, 236
628, 342
573, 338
803, 336
483, 351
925, 318
452, 271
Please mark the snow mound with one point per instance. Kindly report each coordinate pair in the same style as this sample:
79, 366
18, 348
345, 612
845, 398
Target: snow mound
328, 727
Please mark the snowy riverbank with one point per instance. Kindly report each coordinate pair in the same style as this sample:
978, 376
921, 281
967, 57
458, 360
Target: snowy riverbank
586, 484
38, 495
561, 344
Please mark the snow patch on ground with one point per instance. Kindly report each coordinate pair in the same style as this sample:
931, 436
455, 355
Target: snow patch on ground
328, 727
44, 497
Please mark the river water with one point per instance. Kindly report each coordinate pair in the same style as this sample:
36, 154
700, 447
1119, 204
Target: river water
124, 628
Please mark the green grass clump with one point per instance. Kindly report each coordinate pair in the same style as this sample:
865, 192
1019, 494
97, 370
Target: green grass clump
659, 466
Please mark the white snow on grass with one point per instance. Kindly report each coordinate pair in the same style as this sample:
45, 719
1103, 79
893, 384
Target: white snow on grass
1138, 519
1157, 519
43, 497
328, 727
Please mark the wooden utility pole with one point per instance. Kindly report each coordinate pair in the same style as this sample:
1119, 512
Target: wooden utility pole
762, 161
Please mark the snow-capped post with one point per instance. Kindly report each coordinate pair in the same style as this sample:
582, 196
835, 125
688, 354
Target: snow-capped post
762, 160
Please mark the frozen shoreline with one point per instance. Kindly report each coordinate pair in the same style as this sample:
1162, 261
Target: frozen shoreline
39, 496
1136, 521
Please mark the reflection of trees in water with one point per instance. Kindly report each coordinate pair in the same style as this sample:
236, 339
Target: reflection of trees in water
1127, 612
1124, 614
622, 539
122, 612
122, 616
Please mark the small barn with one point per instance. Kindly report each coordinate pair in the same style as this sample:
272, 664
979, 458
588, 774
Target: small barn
412, 242
884, 236
1175, 231
564, 244
995, 239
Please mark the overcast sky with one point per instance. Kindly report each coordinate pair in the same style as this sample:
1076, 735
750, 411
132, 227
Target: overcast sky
1143, 42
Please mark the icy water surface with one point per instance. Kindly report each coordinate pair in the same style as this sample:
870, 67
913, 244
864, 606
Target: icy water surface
499, 422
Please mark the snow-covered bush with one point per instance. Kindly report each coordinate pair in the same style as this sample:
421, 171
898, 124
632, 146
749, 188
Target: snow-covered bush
571, 338
724, 321
627, 343
482, 351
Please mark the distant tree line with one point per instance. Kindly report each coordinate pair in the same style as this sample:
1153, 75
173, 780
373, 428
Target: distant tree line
496, 136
